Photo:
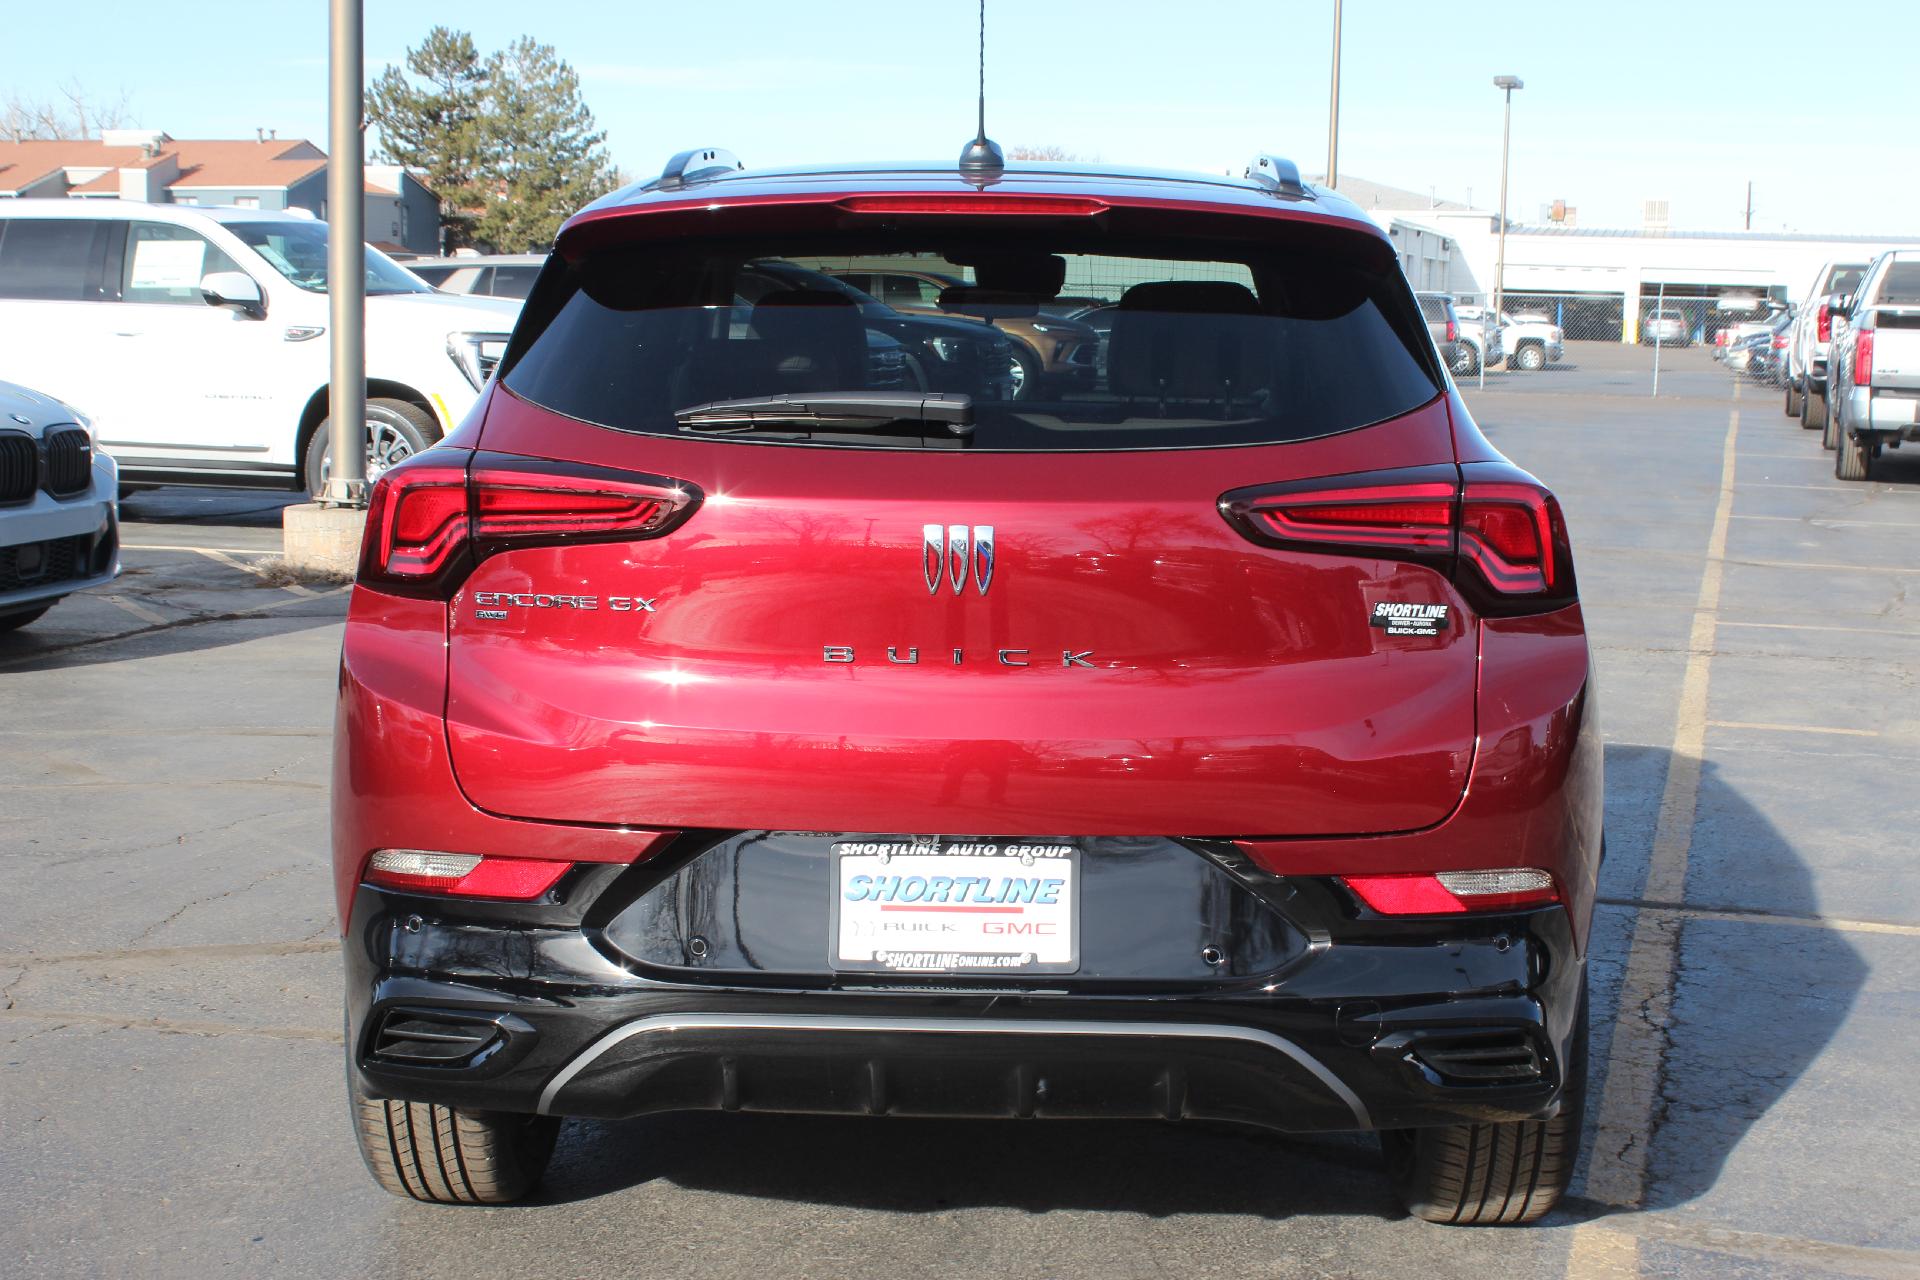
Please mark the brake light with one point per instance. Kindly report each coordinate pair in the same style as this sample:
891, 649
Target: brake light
1493, 528
1453, 330
1823, 323
463, 875
1863, 358
1455, 892
977, 203
431, 519
1779, 342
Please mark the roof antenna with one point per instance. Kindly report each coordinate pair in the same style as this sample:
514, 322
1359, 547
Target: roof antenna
983, 160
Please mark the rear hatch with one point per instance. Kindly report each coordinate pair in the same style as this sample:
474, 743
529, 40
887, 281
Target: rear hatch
1060, 622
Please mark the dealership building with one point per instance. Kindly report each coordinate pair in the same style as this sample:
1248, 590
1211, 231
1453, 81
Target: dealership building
1602, 283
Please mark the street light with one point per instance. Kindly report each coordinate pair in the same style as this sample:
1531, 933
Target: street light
1508, 84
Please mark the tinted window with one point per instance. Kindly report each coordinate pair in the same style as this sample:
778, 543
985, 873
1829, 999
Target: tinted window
1248, 343
1845, 279
51, 259
165, 263
1902, 283
435, 276
513, 282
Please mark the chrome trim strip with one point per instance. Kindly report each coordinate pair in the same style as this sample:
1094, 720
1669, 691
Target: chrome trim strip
957, 557
933, 555
969, 1026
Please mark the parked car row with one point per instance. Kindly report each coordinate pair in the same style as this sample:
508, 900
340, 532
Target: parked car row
1470, 338
1853, 360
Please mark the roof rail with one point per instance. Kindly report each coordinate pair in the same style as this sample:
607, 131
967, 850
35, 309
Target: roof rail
701, 164
1280, 176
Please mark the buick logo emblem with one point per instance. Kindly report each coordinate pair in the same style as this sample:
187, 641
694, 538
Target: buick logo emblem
951, 553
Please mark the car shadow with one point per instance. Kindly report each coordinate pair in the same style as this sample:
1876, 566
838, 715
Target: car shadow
1756, 1001
1723, 1012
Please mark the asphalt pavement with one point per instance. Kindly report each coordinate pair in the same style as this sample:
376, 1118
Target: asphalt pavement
169, 971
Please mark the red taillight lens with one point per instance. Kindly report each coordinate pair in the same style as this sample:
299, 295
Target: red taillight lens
1863, 358
416, 523
1455, 892
1508, 532
463, 875
1453, 331
1823, 323
1779, 342
1498, 532
430, 520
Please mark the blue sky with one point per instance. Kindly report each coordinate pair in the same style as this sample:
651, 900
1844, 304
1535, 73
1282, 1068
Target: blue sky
1624, 101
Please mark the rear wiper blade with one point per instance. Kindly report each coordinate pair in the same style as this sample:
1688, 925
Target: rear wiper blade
839, 410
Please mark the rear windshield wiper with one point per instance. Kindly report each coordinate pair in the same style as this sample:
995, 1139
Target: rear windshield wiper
832, 410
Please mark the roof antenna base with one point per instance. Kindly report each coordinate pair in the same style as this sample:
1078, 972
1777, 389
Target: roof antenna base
983, 159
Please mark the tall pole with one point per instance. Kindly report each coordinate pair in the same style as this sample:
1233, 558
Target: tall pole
1333, 108
1500, 271
346, 258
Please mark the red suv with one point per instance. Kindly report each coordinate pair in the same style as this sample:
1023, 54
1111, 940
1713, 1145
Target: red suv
1215, 740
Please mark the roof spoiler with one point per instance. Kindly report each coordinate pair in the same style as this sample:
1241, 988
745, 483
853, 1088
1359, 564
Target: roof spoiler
1279, 175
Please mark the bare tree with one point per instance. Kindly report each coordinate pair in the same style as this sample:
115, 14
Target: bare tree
1022, 151
71, 113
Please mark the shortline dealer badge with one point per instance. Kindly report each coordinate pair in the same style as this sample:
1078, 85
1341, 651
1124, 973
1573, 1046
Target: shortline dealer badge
1399, 618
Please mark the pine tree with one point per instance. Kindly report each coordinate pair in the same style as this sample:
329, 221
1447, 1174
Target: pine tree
436, 127
544, 157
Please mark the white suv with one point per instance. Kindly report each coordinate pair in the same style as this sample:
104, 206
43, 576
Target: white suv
195, 338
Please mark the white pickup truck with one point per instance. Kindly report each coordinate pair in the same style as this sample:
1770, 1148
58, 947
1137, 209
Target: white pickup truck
1873, 366
1531, 342
1806, 371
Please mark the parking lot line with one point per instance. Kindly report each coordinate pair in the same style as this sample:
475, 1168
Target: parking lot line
1737, 915
1790, 728
1894, 632
1823, 523
1617, 1160
135, 608
1816, 564
1856, 489
231, 551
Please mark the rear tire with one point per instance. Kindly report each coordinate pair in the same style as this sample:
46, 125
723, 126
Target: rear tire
1501, 1173
1853, 458
1794, 397
1813, 412
1466, 361
446, 1156
15, 621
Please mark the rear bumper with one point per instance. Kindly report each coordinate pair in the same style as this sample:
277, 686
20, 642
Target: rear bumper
1370, 1031
1886, 415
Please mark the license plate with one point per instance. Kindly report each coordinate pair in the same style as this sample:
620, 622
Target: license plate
956, 906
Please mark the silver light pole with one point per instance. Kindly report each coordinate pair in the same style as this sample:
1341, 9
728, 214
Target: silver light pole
346, 259
1333, 108
1509, 84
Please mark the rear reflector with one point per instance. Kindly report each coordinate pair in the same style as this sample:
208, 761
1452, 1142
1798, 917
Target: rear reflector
463, 875
432, 518
1455, 892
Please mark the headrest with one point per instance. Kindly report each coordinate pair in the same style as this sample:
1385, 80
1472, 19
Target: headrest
1205, 297
994, 304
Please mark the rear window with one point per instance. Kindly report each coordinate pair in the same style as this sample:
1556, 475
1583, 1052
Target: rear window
1166, 343
1902, 283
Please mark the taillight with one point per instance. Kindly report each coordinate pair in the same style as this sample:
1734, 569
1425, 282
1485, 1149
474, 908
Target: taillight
1863, 358
978, 204
1779, 342
1455, 892
1453, 331
433, 517
463, 875
1823, 323
1494, 528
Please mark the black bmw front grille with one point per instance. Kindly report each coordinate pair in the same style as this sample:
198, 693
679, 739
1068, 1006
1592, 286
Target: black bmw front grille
35, 564
69, 461
19, 466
